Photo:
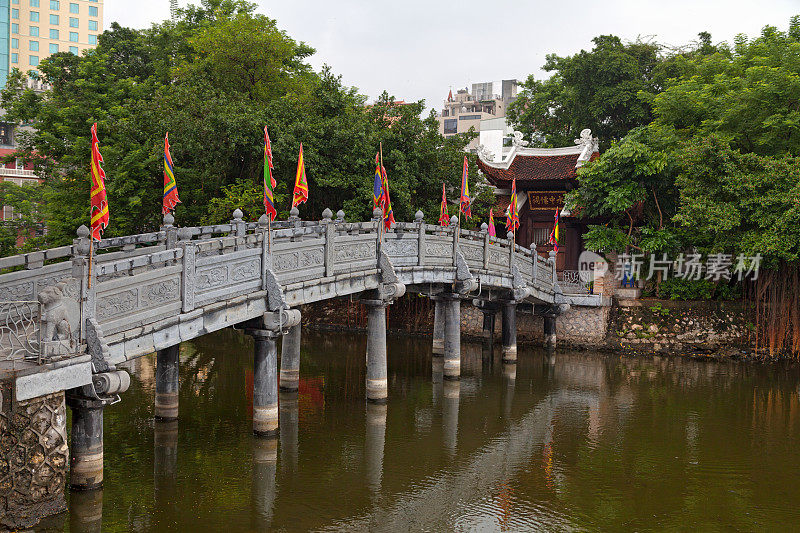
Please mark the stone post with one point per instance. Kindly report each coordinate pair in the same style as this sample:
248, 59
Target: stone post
265, 459
167, 365
452, 337
419, 219
374, 443
438, 326
170, 231
452, 393
86, 446
535, 261
549, 330
290, 360
265, 383
377, 388
489, 315
552, 260
510, 332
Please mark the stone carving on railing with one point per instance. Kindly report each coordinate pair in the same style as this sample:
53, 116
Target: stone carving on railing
19, 329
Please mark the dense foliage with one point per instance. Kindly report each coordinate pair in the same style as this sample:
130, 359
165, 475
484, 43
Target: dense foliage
213, 79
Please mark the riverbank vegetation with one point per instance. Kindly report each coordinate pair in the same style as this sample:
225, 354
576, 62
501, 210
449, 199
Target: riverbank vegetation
702, 154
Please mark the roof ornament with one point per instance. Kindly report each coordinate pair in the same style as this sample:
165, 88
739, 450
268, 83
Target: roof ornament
485, 154
589, 144
517, 140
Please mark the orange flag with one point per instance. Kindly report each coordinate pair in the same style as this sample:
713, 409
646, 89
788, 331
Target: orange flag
300, 183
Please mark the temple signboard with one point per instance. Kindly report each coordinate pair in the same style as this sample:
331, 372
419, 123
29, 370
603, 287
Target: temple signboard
545, 200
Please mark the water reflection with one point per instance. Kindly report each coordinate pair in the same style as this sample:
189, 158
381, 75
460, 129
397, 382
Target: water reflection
561, 440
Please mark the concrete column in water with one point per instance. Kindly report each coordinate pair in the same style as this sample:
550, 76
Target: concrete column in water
550, 331
510, 332
452, 397
165, 470
290, 360
452, 337
86, 511
265, 383
438, 326
167, 365
376, 351
86, 444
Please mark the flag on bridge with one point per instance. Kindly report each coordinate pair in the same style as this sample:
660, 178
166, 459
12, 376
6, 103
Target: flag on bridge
554, 234
388, 214
492, 230
269, 180
300, 182
170, 199
377, 186
465, 200
512, 215
97, 196
443, 220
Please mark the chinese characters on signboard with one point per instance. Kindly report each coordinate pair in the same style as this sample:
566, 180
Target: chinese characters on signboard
545, 200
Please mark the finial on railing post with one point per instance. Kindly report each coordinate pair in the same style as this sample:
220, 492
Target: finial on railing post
419, 216
170, 232
484, 227
294, 216
340, 216
239, 227
327, 215
454, 221
81, 244
169, 220
552, 260
263, 222
510, 236
377, 214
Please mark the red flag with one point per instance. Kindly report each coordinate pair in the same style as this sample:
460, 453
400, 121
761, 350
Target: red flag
464, 201
170, 199
300, 182
512, 215
97, 195
443, 220
269, 180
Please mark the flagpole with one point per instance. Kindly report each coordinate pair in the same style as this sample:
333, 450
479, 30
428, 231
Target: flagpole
91, 249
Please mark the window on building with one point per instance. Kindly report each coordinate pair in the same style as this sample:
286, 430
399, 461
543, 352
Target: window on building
73, 36
450, 126
33, 60
54, 5
53, 48
54, 34
15, 43
469, 117
54, 20
33, 46
92, 11
34, 31
14, 27
34, 3
15, 57
93, 39
92, 25
74, 22
73, 8
14, 13
5, 133
73, 50
15, 2
34, 16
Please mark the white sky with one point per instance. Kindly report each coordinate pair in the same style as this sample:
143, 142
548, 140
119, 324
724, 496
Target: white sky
418, 49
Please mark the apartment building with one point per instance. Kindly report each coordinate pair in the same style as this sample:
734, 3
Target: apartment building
467, 109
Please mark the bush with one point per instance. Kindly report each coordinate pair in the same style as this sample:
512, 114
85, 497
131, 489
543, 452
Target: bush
687, 289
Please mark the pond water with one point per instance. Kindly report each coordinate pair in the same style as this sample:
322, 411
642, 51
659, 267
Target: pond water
562, 441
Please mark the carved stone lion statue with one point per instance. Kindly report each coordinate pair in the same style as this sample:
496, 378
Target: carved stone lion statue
59, 314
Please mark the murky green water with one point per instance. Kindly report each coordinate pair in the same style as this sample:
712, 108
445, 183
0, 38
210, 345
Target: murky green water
562, 442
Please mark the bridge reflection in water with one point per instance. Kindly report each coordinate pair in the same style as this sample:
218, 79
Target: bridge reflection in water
558, 440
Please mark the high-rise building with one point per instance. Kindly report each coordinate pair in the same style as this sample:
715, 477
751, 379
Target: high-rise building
466, 110
31, 30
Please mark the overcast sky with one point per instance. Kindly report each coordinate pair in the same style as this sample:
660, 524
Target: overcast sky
418, 49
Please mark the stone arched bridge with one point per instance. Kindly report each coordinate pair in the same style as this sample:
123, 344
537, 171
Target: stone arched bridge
66, 326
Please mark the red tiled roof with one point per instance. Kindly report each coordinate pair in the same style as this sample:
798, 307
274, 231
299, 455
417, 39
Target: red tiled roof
501, 202
533, 167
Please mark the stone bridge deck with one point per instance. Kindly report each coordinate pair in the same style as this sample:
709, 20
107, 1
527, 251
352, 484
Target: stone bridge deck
151, 291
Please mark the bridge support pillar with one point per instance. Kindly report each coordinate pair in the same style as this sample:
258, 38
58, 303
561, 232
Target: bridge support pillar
438, 326
377, 388
265, 383
290, 360
488, 324
510, 332
550, 331
86, 446
452, 337
167, 365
